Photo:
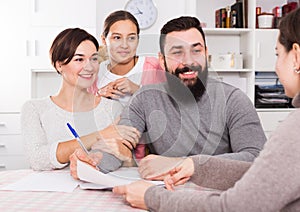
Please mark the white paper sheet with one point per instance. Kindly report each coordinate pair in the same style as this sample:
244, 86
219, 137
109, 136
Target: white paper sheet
44, 181
97, 180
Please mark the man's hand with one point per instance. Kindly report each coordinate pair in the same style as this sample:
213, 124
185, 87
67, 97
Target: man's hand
134, 193
180, 174
115, 147
155, 167
121, 132
93, 159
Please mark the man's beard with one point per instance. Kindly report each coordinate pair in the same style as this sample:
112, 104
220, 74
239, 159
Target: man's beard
199, 87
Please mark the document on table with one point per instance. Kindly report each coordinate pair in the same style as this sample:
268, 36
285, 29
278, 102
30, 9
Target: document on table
94, 179
60, 181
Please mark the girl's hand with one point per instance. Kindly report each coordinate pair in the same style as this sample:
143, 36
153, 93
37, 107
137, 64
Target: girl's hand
110, 91
125, 85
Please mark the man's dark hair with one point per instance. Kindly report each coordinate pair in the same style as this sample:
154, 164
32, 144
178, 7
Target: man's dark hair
182, 23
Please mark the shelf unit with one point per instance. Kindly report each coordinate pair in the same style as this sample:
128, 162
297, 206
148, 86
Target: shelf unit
265, 62
256, 45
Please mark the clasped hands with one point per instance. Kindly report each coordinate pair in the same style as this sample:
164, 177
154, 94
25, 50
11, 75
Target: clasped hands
118, 88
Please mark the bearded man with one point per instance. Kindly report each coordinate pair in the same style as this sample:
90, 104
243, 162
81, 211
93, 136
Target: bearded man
191, 113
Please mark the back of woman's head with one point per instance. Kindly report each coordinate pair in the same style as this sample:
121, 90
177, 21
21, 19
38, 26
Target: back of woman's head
290, 29
120, 15
65, 44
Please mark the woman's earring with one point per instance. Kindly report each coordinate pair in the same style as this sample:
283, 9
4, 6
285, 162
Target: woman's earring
296, 70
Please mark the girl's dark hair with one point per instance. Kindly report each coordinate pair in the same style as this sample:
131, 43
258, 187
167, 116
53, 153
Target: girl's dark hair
120, 15
65, 44
289, 28
179, 24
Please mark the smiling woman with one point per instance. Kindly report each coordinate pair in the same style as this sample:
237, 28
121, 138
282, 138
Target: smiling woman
82, 70
48, 143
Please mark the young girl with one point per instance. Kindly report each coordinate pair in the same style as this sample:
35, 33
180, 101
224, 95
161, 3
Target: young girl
124, 72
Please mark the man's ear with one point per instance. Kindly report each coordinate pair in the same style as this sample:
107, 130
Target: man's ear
161, 59
206, 52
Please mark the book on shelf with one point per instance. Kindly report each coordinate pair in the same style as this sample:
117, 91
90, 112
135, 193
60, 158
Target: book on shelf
220, 18
245, 13
217, 19
237, 15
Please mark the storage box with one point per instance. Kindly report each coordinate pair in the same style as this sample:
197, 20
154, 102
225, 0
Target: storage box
265, 20
226, 61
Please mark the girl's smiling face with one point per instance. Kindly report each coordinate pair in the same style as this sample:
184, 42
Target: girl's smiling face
122, 41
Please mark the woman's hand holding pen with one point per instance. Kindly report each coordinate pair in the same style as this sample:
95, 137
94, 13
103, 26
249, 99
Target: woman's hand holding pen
93, 159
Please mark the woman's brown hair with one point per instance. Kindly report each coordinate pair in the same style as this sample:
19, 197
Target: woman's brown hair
289, 28
65, 44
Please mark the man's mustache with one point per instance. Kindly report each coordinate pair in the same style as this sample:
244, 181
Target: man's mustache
187, 69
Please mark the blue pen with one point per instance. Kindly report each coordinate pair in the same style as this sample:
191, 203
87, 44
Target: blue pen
77, 138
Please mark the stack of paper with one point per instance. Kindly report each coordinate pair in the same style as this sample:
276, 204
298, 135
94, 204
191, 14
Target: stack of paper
62, 181
94, 179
